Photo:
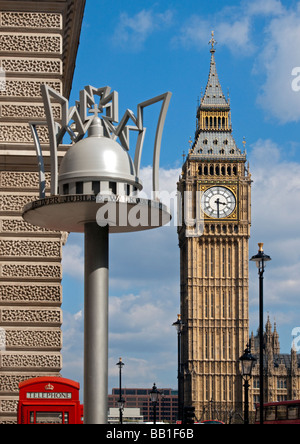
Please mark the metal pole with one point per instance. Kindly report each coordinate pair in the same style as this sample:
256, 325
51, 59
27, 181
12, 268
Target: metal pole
180, 377
120, 385
96, 324
246, 415
261, 342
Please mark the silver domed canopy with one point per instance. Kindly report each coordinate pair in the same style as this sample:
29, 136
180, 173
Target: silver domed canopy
97, 159
84, 117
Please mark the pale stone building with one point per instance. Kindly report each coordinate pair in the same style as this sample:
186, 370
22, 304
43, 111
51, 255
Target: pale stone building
281, 370
38, 44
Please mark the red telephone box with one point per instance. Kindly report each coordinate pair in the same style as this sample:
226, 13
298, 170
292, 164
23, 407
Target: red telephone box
49, 400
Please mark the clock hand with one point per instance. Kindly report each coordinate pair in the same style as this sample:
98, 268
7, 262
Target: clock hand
218, 202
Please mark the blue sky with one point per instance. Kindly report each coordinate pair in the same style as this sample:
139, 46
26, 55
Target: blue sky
143, 49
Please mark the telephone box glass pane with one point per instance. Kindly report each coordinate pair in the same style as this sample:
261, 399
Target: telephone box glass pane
49, 418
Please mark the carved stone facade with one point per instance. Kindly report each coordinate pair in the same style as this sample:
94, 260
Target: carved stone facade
38, 44
281, 371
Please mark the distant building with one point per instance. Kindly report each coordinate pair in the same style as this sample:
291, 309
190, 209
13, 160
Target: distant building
130, 416
166, 409
281, 371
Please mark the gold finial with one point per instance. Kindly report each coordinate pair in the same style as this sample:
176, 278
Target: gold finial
261, 246
212, 41
179, 317
244, 142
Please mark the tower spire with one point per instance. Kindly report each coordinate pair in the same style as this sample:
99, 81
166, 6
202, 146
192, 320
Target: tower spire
213, 95
214, 132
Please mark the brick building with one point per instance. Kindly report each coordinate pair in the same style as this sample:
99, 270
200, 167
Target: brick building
167, 406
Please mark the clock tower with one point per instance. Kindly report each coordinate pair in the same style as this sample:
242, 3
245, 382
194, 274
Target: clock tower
215, 187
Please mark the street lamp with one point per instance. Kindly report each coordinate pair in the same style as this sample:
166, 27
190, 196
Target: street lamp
179, 327
154, 394
261, 258
247, 361
121, 401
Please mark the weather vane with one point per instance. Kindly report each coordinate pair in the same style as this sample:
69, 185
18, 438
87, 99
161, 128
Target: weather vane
212, 41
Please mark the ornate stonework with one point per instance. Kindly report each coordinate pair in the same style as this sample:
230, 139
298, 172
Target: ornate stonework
16, 88
25, 111
21, 65
38, 45
30, 248
30, 294
281, 371
33, 20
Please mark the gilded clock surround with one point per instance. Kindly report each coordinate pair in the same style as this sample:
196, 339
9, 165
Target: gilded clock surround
232, 188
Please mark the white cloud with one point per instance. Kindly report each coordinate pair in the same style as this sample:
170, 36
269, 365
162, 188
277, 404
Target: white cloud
73, 259
193, 33
276, 192
232, 29
279, 56
276, 221
168, 179
72, 350
141, 332
267, 7
132, 32
236, 35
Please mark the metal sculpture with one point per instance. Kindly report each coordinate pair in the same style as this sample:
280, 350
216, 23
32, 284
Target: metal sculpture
96, 191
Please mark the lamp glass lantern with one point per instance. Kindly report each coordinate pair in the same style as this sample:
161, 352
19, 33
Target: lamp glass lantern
154, 394
247, 361
178, 324
261, 258
121, 404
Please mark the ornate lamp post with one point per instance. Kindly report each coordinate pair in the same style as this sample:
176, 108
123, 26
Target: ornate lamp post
247, 361
121, 401
154, 394
179, 327
261, 259
95, 191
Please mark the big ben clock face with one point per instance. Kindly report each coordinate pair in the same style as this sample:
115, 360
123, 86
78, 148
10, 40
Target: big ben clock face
218, 202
